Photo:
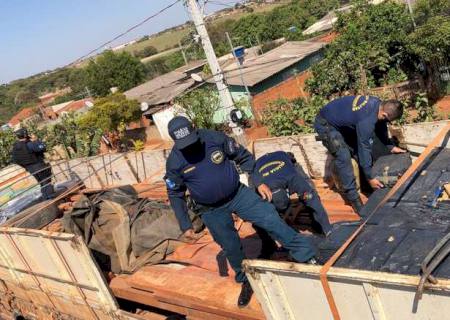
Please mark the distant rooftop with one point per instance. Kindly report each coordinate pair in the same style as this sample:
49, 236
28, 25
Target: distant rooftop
257, 69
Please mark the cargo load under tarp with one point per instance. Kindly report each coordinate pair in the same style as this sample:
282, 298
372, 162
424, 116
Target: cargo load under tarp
123, 231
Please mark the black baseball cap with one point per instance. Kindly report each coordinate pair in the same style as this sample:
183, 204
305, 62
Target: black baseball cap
21, 133
182, 132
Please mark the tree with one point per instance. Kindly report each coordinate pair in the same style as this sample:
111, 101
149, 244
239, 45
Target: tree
286, 117
200, 106
7, 139
146, 52
110, 113
112, 69
372, 40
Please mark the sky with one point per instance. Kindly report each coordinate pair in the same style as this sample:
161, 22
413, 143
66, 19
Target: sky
40, 35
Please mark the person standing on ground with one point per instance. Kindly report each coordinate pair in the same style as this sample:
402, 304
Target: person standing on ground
346, 126
284, 176
204, 163
28, 152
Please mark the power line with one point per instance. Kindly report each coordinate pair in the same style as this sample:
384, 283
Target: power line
125, 32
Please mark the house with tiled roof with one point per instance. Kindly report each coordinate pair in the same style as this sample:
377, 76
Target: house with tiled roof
25, 116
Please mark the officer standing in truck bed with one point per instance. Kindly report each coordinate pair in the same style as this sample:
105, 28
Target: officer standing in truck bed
347, 126
29, 153
203, 162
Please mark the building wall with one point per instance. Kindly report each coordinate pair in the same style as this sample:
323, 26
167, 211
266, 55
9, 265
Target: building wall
161, 120
289, 89
289, 84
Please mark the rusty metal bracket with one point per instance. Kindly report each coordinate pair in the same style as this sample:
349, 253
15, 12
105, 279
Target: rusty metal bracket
429, 264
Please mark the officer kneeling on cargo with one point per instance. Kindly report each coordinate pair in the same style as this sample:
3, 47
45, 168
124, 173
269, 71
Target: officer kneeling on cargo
29, 153
347, 127
284, 176
201, 161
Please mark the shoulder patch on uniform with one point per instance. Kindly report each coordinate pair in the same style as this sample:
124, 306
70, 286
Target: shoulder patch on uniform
217, 157
357, 104
170, 184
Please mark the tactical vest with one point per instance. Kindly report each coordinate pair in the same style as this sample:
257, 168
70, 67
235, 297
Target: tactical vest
22, 156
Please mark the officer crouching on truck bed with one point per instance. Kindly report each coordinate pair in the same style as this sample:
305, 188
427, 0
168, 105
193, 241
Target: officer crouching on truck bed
284, 176
201, 161
29, 153
347, 127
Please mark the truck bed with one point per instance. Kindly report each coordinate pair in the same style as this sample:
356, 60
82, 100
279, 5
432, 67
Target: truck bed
197, 281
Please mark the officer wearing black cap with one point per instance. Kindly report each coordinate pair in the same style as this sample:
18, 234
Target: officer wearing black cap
204, 162
284, 176
347, 127
30, 155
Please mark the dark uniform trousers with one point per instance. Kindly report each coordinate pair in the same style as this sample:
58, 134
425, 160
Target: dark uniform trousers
43, 174
303, 186
333, 140
250, 207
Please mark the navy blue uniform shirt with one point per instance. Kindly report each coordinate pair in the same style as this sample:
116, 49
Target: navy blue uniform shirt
38, 148
360, 115
208, 173
275, 169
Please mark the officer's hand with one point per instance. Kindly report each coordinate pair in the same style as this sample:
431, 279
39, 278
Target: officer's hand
33, 137
376, 184
265, 192
397, 150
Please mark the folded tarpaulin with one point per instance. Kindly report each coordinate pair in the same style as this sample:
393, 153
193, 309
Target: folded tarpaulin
123, 231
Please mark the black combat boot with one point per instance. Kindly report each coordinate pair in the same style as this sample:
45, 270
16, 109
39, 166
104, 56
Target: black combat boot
245, 295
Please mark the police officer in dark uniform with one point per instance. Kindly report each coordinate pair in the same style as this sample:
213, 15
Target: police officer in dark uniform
30, 155
347, 127
284, 176
203, 162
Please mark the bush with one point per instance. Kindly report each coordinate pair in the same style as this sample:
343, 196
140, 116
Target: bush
146, 52
290, 117
7, 139
110, 113
200, 106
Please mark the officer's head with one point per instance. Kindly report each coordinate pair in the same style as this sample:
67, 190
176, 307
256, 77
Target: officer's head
390, 110
21, 133
182, 132
280, 200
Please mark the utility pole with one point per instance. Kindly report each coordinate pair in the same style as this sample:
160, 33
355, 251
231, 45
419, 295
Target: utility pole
240, 68
182, 52
224, 93
408, 2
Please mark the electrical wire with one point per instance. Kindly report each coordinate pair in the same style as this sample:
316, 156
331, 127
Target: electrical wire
125, 32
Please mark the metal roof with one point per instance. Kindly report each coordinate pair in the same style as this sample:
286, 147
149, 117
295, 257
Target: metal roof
161, 90
266, 65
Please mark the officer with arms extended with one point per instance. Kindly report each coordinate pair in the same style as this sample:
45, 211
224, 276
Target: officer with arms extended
283, 175
348, 126
202, 161
29, 153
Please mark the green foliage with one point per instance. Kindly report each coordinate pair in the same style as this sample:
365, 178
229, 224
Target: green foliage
75, 140
425, 112
371, 41
289, 117
200, 106
144, 38
7, 139
110, 112
138, 145
112, 69
426, 9
146, 52
431, 41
